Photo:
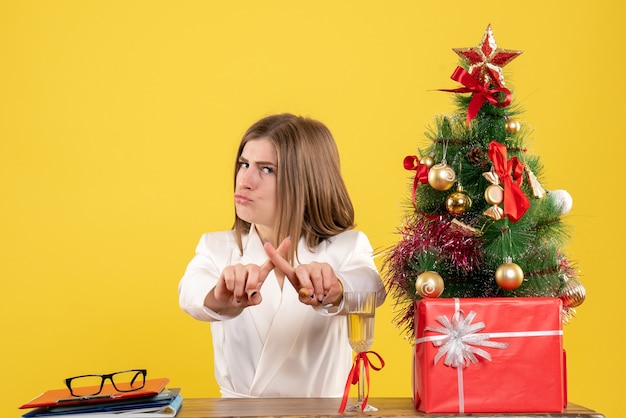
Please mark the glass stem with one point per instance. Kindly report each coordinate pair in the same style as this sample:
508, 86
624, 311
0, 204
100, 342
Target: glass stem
361, 385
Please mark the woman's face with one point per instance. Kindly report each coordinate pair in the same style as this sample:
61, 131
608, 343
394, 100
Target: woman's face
255, 192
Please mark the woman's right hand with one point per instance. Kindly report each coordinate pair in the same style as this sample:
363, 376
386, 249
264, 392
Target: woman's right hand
239, 285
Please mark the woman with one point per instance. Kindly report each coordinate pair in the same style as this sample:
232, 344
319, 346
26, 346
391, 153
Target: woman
272, 287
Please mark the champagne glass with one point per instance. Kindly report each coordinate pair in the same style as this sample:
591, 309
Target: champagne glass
361, 307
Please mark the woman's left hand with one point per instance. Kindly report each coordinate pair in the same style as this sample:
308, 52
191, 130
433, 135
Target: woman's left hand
316, 283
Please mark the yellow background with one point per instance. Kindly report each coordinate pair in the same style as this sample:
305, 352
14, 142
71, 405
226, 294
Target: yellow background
119, 121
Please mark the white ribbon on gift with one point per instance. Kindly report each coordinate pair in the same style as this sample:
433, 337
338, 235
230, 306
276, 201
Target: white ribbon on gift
460, 342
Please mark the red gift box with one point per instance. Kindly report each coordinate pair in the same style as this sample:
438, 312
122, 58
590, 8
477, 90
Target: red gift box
489, 355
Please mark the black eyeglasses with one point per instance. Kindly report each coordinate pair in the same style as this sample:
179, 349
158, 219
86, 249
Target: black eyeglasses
92, 384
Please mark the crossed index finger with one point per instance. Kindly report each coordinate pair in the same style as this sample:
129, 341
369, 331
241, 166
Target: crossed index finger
269, 265
283, 265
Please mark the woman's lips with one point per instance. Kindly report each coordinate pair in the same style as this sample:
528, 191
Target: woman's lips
241, 198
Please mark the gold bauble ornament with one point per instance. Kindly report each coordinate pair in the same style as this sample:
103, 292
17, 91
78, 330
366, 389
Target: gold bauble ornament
429, 284
458, 203
441, 176
494, 194
428, 161
509, 276
512, 126
572, 294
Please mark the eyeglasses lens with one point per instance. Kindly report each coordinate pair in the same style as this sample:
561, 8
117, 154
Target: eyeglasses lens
127, 381
86, 385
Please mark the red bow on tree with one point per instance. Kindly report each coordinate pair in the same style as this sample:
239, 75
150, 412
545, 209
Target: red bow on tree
510, 174
480, 93
421, 173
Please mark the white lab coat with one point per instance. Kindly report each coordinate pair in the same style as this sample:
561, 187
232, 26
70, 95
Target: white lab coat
281, 347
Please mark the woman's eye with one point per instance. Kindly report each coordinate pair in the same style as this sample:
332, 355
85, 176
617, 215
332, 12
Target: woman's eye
268, 170
244, 164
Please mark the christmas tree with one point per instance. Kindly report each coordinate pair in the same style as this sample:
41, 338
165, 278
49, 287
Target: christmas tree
479, 223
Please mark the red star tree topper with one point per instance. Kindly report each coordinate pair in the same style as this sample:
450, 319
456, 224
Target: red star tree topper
486, 60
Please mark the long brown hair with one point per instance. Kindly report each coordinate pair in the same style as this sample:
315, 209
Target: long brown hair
313, 200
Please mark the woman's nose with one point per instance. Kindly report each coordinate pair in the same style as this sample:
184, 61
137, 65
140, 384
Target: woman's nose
247, 178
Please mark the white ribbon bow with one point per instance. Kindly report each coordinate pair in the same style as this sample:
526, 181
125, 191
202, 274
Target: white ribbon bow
460, 342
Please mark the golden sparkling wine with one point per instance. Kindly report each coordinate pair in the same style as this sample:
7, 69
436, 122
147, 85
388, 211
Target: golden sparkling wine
361, 331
